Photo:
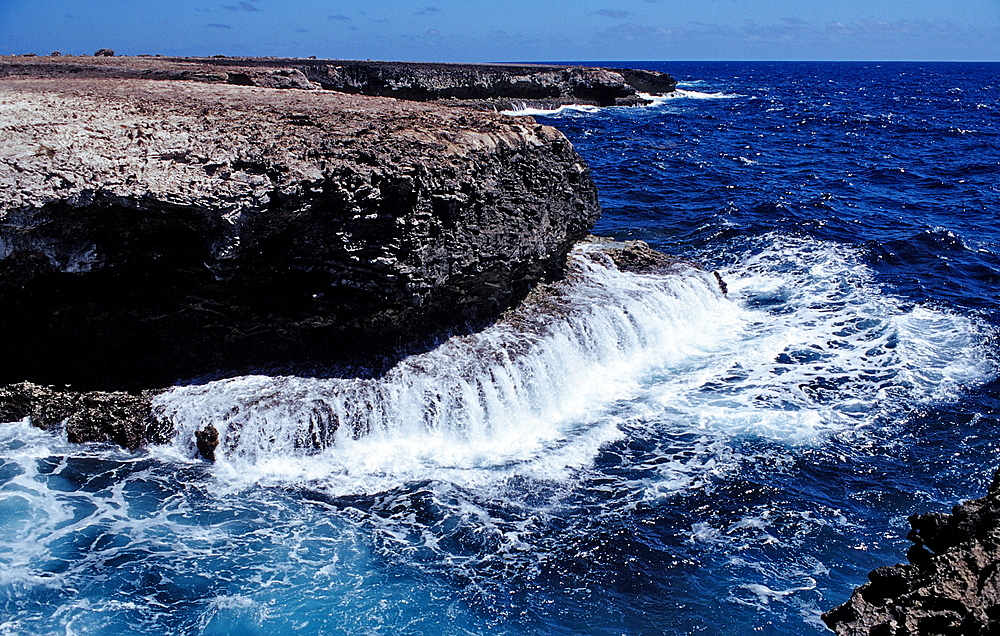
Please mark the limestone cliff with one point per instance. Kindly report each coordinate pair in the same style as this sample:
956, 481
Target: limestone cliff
157, 230
480, 86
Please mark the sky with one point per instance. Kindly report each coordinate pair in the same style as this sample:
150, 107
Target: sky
515, 30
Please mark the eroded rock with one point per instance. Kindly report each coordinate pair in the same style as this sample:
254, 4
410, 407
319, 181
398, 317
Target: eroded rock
488, 87
123, 418
950, 586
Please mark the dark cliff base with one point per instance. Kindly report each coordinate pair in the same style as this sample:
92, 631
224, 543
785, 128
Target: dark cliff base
480, 86
129, 420
951, 584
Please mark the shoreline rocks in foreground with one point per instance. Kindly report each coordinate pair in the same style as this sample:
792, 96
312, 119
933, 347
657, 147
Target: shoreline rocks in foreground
951, 584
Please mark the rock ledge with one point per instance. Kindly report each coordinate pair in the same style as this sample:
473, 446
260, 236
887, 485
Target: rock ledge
152, 231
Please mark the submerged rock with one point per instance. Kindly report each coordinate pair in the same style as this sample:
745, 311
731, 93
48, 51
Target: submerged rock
151, 231
950, 586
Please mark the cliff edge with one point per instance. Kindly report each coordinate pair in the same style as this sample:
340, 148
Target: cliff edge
157, 230
489, 87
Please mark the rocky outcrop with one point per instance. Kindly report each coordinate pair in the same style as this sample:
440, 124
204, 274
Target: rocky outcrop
499, 86
951, 584
480, 86
151, 230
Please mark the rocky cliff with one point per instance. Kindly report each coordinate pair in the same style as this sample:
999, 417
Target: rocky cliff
480, 86
157, 230
951, 584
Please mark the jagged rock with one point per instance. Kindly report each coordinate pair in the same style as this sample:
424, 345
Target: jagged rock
151, 231
950, 586
637, 256
104, 53
207, 440
271, 78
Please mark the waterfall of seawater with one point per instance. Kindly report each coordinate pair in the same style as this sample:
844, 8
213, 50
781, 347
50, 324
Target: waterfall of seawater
804, 346
515, 391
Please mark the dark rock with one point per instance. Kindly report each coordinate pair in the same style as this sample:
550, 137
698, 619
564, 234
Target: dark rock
207, 441
151, 231
95, 416
104, 53
723, 287
950, 586
638, 256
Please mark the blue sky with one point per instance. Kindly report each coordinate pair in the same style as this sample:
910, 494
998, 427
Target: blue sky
516, 30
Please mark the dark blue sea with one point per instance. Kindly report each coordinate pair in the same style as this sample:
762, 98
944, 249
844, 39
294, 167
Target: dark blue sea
655, 457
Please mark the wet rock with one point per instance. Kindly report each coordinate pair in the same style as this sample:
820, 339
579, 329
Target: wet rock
91, 416
950, 586
637, 256
207, 440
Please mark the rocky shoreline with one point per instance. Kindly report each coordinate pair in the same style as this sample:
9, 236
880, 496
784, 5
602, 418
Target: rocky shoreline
152, 230
489, 87
170, 219
130, 420
950, 585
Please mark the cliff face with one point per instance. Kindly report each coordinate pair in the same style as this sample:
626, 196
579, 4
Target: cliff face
480, 86
156, 230
951, 584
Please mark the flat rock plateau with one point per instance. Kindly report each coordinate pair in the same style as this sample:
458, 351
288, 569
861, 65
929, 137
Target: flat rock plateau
489, 87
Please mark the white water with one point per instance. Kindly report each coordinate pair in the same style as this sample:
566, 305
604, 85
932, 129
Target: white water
529, 394
654, 101
804, 346
642, 387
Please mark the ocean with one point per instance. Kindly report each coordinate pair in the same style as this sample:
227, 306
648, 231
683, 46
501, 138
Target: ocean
656, 457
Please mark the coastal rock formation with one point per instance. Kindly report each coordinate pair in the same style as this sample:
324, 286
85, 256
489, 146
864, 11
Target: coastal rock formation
951, 584
151, 230
499, 85
480, 86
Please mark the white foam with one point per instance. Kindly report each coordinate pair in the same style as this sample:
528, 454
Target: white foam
653, 100
687, 94
804, 347
523, 110
531, 395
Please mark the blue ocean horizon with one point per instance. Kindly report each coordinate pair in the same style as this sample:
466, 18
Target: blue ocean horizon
662, 459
